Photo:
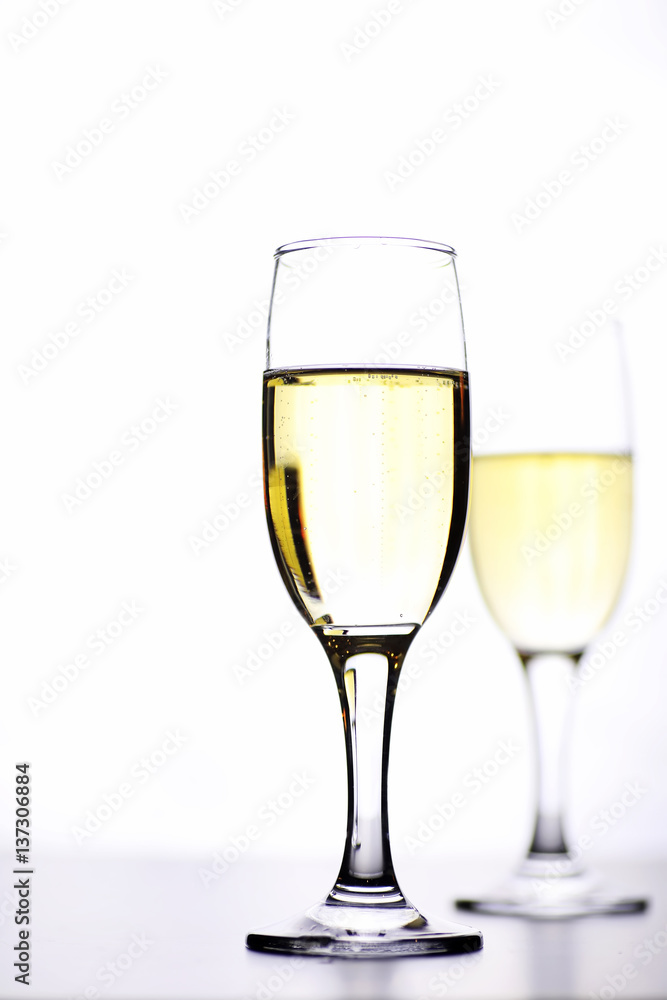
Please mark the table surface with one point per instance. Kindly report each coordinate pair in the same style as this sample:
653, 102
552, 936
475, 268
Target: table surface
148, 929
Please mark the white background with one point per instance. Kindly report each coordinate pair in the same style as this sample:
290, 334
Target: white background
186, 328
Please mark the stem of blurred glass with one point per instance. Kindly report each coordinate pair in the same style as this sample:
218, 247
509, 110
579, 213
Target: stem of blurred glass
550, 686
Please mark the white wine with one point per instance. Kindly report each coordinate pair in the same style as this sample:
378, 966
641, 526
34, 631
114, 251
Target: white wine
550, 538
366, 481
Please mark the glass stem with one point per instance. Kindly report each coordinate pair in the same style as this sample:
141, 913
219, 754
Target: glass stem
367, 669
550, 685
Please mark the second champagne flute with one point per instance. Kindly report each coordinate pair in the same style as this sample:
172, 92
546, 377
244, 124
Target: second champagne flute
550, 527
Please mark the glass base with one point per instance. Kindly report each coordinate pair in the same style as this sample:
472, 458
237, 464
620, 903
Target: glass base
349, 931
552, 887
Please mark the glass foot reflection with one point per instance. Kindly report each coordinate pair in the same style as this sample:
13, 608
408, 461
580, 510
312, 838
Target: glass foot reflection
552, 887
352, 931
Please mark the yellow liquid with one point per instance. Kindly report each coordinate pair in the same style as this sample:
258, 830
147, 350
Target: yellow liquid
550, 538
366, 486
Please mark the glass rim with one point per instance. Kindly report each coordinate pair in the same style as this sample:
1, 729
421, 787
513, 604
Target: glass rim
358, 241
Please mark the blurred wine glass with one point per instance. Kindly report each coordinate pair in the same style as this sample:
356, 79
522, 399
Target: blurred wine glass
550, 530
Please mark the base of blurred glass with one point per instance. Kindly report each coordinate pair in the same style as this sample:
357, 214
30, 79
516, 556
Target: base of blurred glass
353, 931
552, 887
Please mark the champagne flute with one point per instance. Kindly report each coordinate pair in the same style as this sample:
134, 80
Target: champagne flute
550, 528
345, 440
